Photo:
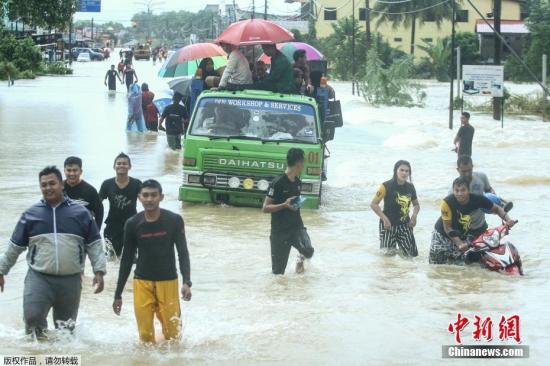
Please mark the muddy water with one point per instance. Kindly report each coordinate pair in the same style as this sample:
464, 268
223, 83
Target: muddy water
353, 306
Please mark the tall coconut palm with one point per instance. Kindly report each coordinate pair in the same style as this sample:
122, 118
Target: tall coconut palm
409, 13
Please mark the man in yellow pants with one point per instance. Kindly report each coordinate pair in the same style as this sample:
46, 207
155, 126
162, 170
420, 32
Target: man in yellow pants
154, 233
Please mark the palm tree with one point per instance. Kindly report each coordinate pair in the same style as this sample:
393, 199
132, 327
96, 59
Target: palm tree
408, 13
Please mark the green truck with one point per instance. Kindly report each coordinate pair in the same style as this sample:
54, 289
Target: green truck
237, 141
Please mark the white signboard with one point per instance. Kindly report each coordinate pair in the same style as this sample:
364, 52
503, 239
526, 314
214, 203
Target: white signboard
483, 80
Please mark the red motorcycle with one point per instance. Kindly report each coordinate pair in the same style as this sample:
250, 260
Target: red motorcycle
494, 252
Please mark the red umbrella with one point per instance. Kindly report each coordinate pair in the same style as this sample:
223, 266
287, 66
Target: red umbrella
254, 31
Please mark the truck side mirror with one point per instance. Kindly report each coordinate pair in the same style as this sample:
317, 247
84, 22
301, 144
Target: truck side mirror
329, 128
335, 113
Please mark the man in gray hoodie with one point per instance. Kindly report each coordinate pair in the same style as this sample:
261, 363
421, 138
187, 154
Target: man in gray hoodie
58, 234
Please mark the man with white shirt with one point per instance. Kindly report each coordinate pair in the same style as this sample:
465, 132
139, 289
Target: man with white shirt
237, 71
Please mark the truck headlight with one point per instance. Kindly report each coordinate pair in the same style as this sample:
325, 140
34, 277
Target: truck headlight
263, 185
234, 182
314, 171
193, 179
307, 187
209, 180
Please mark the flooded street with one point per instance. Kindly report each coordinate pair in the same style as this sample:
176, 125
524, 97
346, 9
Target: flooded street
353, 306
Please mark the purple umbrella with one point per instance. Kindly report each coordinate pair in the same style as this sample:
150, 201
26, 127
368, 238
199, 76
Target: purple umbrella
288, 49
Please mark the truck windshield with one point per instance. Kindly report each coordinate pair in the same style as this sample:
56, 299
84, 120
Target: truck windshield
265, 120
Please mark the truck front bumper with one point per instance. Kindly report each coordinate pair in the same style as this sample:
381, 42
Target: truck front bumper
233, 197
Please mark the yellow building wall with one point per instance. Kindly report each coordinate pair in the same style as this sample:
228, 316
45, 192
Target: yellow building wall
510, 11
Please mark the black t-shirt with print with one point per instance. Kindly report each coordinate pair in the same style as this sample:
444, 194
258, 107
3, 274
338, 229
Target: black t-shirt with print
281, 189
461, 215
122, 202
397, 200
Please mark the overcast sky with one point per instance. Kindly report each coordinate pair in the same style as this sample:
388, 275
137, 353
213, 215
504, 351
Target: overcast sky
122, 10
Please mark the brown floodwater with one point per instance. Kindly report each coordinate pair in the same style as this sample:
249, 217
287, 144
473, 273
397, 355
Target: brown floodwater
353, 306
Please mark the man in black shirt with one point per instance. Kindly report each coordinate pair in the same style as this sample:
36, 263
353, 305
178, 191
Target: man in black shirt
111, 76
80, 191
122, 192
176, 121
287, 228
128, 76
153, 233
456, 215
465, 135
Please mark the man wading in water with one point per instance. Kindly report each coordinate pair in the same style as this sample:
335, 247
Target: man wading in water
287, 228
122, 192
81, 191
58, 234
110, 77
153, 234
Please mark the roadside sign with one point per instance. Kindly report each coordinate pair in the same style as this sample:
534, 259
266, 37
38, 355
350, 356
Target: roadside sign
483, 80
90, 6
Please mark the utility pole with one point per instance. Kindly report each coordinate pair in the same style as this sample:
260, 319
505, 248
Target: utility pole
353, 47
150, 6
451, 71
265, 9
71, 41
367, 23
497, 102
253, 9
92, 29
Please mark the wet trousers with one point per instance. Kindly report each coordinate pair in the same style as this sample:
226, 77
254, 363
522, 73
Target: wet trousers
160, 298
43, 292
401, 236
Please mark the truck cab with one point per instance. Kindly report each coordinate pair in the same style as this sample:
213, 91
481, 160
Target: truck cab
237, 142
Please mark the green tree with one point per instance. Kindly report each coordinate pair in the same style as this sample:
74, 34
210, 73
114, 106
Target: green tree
44, 13
409, 13
469, 47
22, 53
537, 43
390, 85
337, 48
437, 59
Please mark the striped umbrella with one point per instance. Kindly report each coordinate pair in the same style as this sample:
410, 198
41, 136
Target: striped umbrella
185, 61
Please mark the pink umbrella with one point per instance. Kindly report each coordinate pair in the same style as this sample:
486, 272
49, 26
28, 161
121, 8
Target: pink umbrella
288, 50
254, 31
194, 52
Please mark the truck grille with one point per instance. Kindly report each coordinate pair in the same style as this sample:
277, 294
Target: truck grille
243, 165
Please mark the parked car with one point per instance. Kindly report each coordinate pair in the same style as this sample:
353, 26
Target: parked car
103, 51
94, 56
83, 57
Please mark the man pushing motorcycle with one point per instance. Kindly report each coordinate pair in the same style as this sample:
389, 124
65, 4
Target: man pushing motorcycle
457, 216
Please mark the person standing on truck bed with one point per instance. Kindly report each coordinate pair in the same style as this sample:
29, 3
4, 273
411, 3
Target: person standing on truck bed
281, 76
237, 70
176, 122
287, 227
